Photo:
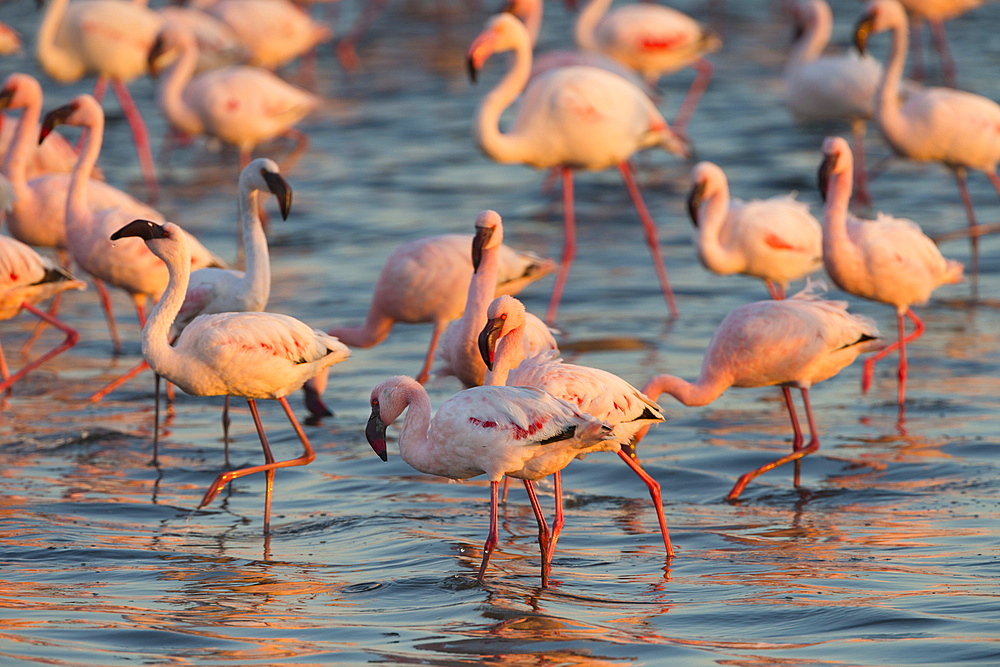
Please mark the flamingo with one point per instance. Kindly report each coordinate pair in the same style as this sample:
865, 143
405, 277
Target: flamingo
129, 266
27, 278
596, 392
830, 87
775, 239
417, 283
217, 290
888, 260
218, 45
793, 342
243, 106
958, 129
252, 355
936, 12
460, 342
10, 40
654, 41
570, 118
108, 38
520, 432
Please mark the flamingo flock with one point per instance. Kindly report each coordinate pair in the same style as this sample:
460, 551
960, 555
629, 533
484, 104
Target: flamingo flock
516, 404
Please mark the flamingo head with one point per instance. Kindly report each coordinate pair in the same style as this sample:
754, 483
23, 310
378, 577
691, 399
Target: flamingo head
489, 234
144, 229
375, 431
82, 110
503, 32
694, 200
488, 338
879, 16
19, 91
835, 160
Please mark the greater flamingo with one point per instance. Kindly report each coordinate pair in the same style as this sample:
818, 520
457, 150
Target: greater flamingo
520, 432
129, 266
459, 353
27, 278
108, 38
822, 87
240, 105
793, 342
888, 260
252, 355
569, 118
777, 239
596, 392
654, 41
958, 129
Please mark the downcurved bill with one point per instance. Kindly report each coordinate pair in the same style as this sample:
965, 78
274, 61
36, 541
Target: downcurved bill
375, 432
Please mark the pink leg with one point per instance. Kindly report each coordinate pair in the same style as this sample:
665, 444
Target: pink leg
40, 327
506, 488
102, 292
970, 213
654, 493
869, 365
156, 420
777, 292
652, 240
307, 457
947, 62
797, 438
141, 137
4, 368
118, 381
301, 140
569, 246
861, 192
425, 372
543, 530
916, 50
494, 536
345, 46
100, 88
225, 430
693, 96
71, 338
559, 521
794, 456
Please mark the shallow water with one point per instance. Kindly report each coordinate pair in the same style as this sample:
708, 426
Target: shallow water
885, 555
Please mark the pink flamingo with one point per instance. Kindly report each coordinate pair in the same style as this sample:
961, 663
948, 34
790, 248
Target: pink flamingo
27, 278
936, 12
775, 239
958, 129
108, 38
822, 87
242, 106
460, 342
520, 432
253, 355
654, 41
10, 40
128, 265
793, 342
888, 259
570, 118
218, 45
596, 392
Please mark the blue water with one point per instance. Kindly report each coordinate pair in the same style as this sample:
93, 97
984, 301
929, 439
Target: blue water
885, 555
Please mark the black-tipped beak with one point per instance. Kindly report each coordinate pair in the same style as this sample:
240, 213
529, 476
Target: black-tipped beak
280, 188
823, 175
157, 50
144, 229
488, 340
862, 31
695, 197
482, 237
55, 118
471, 67
375, 432
6, 95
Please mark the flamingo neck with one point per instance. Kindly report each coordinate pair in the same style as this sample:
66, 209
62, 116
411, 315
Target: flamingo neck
509, 354
502, 147
162, 357
481, 290
170, 92
22, 144
533, 21
712, 218
375, 329
838, 198
57, 62
586, 24
814, 39
887, 108
415, 447
77, 206
703, 391
256, 279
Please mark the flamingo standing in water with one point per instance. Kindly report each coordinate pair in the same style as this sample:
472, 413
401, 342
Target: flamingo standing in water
108, 38
129, 265
889, 260
596, 392
776, 239
243, 106
958, 129
252, 355
793, 342
520, 432
570, 118
936, 12
460, 342
823, 87
654, 41
27, 278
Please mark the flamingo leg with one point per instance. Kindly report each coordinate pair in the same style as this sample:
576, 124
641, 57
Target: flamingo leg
559, 520
494, 535
776, 291
141, 137
654, 494
506, 488
40, 327
268, 459
916, 50
543, 529
797, 438
4, 368
71, 338
345, 47
861, 191
226, 421
118, 381
869, 365
156, 421
301, 140
307, 457
425, 372
940, 38
102, 292
794, 456
693, 95
569, 246
970, 213
652, 239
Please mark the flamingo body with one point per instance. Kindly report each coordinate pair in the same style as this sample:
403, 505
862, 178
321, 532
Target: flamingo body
27, 277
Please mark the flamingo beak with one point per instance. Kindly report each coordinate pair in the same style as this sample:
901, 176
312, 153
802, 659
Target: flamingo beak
6, 95
862, 31
823, 176
153, 57
488, 339
280, 189
55, 118
144, 229
375, 432
482, 237
695, 198
480, 50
